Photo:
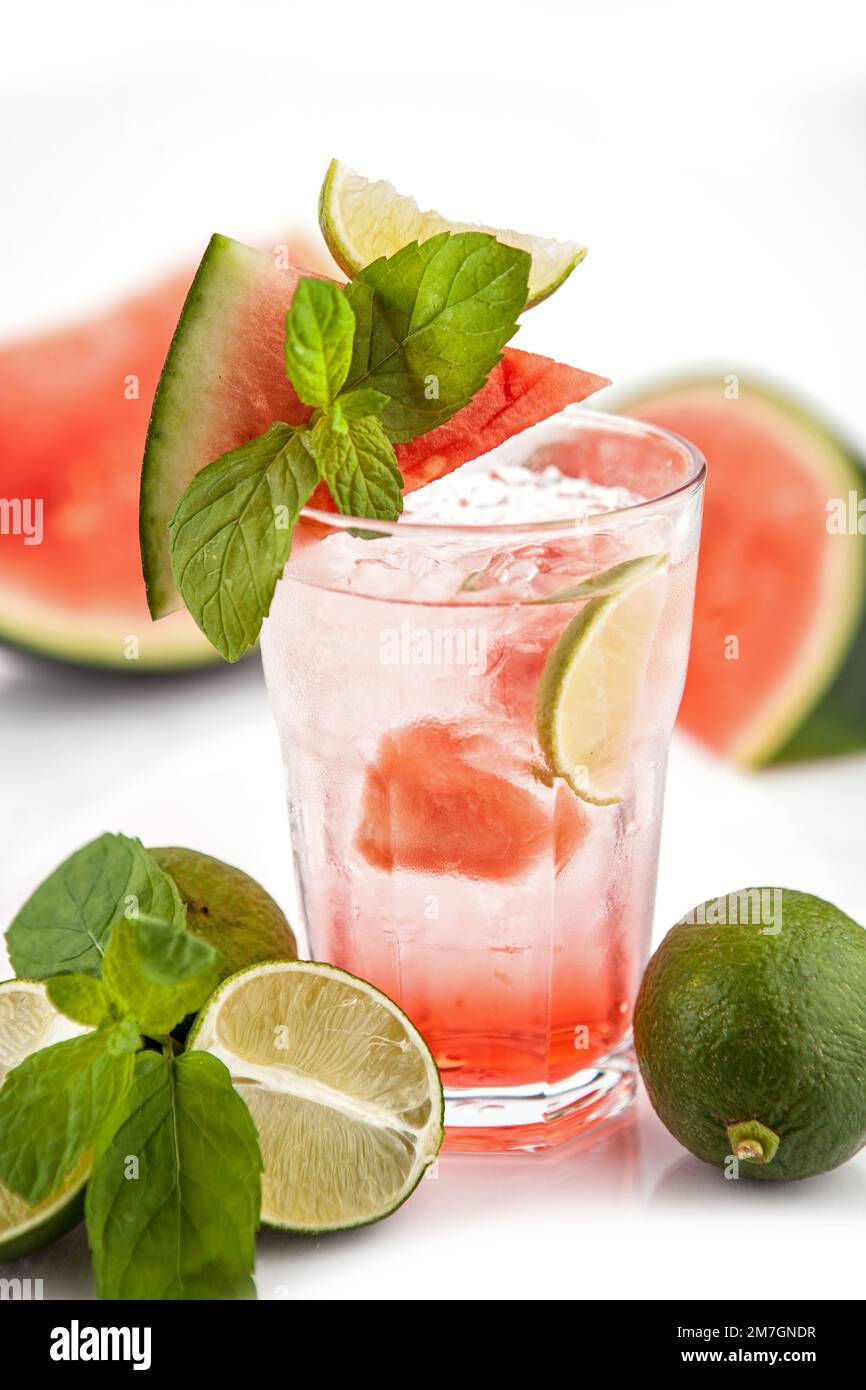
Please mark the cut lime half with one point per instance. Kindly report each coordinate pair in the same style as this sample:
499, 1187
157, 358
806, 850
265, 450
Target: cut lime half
590, 689
343, 1089
363, 219
28, 1022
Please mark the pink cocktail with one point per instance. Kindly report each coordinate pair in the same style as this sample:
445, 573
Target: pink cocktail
437, 852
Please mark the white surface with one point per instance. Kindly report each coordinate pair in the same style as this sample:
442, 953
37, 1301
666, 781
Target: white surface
712, 160
628, 1214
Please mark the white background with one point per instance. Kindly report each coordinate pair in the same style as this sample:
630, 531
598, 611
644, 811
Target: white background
713, 159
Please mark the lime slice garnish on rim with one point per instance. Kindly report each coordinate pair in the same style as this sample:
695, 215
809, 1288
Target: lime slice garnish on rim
606, 581
363, 219
343, 1089
591, 686
28, 1022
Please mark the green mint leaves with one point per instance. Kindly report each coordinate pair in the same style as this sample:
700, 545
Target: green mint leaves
174, 1193
358, 464
389, 357
431, 321
173, 1200
53, 1106
66, 924
158, 973
320, 331
81, 998
232, 533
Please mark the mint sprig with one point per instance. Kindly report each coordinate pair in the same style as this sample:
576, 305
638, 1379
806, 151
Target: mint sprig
159, 998
392, 355
183, 1223
66, 924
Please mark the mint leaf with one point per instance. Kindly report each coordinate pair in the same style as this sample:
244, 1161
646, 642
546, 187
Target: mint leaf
169, 956
356, 404
66, 924
54, 1104
159, 973
430, 323
173, 1201
81, 998
320, 329
360, 468
232, 532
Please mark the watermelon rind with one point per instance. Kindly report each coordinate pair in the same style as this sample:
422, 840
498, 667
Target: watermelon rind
228, 274
819, 709
110, 641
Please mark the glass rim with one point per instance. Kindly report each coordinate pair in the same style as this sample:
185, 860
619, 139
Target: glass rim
624, 424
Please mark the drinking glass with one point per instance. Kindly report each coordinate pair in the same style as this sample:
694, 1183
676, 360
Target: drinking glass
435, 852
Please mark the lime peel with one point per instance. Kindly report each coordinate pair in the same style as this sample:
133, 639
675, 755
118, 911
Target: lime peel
363, 219
753, 1142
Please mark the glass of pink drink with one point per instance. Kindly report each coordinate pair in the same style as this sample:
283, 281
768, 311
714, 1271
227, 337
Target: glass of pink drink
436, 855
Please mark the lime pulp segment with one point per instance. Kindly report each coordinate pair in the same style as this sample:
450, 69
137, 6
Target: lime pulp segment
592, 683
343, 1089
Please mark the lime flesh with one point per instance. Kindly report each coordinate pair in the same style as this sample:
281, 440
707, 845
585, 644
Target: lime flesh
362, 219
591, 686
343, 1089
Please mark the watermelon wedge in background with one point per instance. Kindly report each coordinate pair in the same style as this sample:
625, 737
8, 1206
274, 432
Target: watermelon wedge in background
777, 671
74, 410
224, 382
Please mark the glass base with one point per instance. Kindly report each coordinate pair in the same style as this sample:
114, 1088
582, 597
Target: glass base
526, 1118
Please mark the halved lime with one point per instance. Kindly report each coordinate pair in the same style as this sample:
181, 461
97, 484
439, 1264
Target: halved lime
28, 1022
342, 1087
363, 219
590, 689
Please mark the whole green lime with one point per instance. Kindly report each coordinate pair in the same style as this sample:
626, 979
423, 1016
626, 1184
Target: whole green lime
228, 909
750, 1030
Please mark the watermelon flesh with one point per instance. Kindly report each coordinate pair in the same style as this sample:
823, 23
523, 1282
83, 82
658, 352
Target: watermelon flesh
429, 781
71, 427
777, 669
522, 389
224, 383
74, 410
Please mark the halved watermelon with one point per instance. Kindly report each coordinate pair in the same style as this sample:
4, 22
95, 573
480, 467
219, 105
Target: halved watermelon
224, 382
73, 415
74, 409
778, 662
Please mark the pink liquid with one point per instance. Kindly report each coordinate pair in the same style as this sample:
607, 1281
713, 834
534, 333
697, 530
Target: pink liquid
508, 918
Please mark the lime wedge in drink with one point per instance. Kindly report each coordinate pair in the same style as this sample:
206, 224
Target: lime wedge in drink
343, 1089
591, 685
363, 219
28, 1022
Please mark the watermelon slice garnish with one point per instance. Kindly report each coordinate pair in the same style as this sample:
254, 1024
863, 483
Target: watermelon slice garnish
224, 382
777, 670
74, 410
